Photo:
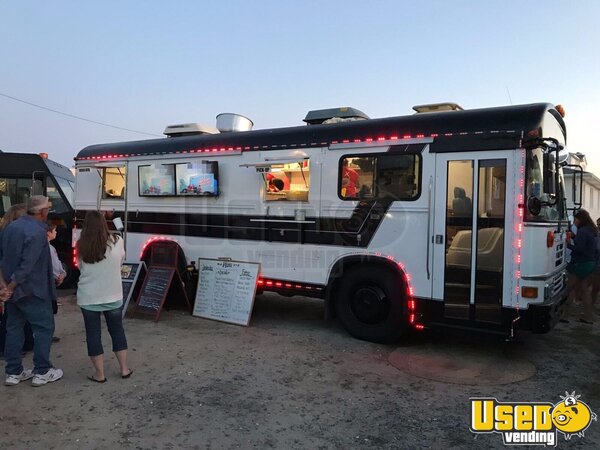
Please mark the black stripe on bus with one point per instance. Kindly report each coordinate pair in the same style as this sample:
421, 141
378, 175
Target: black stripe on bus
356, 231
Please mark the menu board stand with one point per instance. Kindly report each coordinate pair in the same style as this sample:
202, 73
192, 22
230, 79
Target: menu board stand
131, 273
226, 290
160, 283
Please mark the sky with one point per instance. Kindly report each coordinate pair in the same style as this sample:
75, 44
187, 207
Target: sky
143, 65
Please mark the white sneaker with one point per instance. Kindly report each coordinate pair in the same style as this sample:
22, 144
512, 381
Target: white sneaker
13, 380
49, 377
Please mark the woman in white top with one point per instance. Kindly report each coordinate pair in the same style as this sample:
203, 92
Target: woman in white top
100, 291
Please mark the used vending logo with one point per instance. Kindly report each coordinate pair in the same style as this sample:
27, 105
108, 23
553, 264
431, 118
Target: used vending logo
531, 423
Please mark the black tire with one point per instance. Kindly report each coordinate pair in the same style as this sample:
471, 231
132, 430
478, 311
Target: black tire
371, 303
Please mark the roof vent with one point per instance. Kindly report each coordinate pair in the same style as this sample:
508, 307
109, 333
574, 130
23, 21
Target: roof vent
189, 129
334, 115
230, 122
438, 107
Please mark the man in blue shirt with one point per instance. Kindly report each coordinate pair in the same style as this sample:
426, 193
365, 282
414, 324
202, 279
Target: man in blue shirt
27, 290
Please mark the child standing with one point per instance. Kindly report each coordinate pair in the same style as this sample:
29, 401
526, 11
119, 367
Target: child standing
57, 268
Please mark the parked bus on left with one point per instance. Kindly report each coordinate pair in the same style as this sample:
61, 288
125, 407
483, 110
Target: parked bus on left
26, 174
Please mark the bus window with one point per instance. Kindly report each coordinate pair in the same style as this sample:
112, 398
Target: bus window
113, 183
398, 176
13, 191
357, 175
539, 175
384, 176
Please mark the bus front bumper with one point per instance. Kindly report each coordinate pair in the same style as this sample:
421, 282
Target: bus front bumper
542, 317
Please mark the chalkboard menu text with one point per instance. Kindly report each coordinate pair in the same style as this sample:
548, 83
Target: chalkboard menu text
154, 290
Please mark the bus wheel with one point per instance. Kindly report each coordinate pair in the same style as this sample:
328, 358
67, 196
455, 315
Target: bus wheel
370, 304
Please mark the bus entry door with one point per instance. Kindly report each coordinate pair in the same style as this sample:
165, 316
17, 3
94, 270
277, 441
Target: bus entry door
468, 240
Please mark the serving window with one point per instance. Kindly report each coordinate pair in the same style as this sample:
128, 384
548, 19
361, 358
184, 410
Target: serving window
113, 183
381, 176
286, 180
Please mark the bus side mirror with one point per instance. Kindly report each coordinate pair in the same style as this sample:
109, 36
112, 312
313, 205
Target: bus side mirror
534, 205
578, 188
548, 187
37, 188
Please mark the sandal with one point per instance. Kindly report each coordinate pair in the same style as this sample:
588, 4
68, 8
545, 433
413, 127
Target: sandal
585, 321
128, 375
91, 378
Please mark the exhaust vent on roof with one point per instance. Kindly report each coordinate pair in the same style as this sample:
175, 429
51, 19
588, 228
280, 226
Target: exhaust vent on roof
334, 115
230, 122
189, 129
438, 107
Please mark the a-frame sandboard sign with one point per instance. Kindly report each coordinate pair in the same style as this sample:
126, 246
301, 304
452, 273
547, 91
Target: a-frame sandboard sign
162, 280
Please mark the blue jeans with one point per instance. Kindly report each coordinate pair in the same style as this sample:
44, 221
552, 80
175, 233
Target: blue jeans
38, 312
93, 332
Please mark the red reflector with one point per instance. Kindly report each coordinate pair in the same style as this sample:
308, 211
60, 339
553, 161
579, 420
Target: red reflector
550, 239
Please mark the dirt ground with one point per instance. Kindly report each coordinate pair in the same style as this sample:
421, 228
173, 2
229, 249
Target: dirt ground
289, 380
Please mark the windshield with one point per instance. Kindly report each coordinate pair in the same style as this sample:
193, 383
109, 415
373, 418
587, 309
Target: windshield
59, 205
67, 188
541, 184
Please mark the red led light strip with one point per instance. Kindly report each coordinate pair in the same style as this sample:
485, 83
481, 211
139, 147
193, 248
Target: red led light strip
410, 293
291, 285
75, 259
154, 239
518, 245
395, 137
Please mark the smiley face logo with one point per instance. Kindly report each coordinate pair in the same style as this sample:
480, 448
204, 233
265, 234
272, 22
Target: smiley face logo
572, 416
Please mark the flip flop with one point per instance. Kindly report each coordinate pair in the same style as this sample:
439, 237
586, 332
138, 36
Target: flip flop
585, 321
128, 375
91, 378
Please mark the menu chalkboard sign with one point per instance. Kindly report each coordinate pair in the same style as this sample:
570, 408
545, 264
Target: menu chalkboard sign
226, 290
154, 290
130, 277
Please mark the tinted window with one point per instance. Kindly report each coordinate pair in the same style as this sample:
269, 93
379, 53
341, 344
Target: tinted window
389, 176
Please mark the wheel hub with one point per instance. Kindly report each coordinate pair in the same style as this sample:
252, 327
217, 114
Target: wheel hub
370, 304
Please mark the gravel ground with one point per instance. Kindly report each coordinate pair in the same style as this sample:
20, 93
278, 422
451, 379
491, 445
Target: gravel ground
289, 380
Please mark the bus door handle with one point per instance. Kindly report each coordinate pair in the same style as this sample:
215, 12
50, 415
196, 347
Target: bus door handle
439, 238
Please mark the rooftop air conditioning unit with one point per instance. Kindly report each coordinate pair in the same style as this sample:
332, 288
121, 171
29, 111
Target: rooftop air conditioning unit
334, 115
438, 107
189, 129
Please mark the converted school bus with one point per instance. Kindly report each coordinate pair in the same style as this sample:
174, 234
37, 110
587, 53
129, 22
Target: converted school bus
449, 218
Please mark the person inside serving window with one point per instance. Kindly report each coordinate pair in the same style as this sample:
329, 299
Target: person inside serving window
350, 179
275, 184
